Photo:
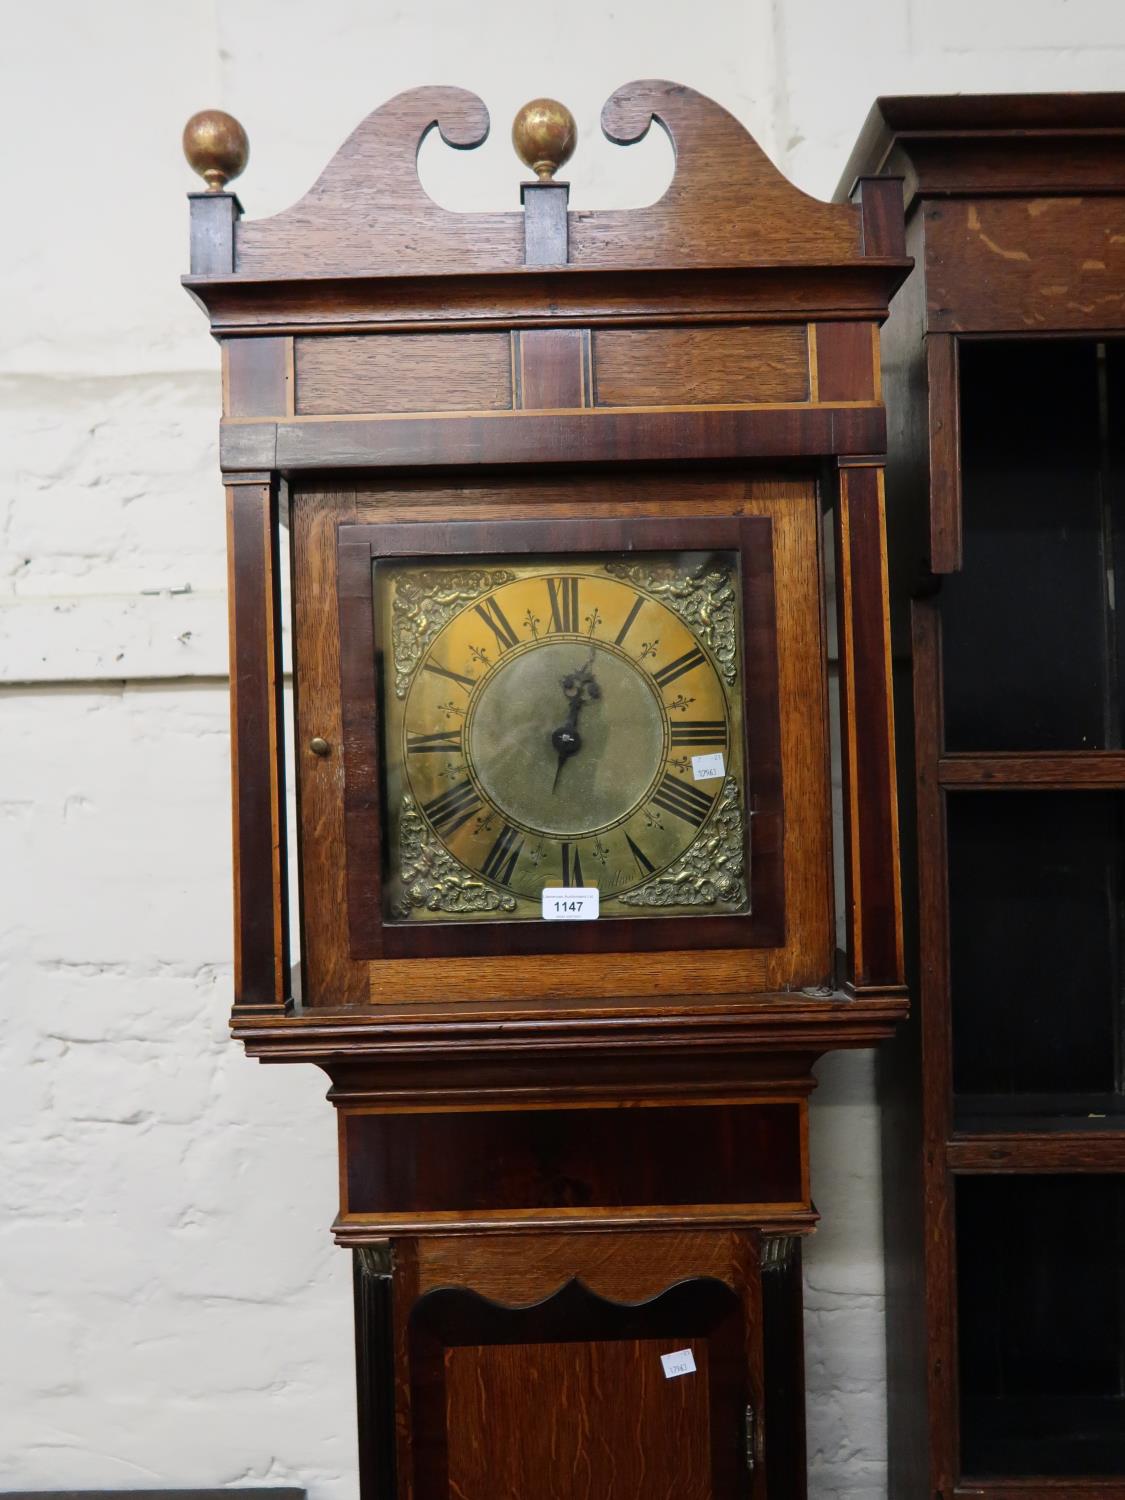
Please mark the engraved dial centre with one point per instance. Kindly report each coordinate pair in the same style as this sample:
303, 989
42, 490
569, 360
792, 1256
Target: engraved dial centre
552, 768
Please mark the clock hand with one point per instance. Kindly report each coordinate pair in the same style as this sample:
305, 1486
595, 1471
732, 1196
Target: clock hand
580, 687
566, 740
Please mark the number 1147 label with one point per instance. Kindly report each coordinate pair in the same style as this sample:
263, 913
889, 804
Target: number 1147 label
570, 903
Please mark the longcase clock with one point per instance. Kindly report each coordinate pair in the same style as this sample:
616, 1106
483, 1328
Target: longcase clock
564, 492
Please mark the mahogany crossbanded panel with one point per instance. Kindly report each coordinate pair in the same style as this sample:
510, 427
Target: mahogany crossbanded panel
874, 912
552, 368
554, 438
846, 358
257, 377
261, 909
499, 1162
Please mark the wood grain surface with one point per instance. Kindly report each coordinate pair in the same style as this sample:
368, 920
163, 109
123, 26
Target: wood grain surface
516, 1268
261, 902
629, 437
992, 143
551, 367
550, 298
847, 361
1079, 768
606, 1419
944, 412
939, 1247
874, 901
404, 372
368, 214
256, 377
1025, 264
543, 1291
470, 1359
727, 203
590, 1158
702, 365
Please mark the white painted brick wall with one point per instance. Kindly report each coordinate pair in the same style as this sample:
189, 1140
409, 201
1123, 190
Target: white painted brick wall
171, 1310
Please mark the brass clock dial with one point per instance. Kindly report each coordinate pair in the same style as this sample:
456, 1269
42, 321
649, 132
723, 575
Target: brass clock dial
563, 721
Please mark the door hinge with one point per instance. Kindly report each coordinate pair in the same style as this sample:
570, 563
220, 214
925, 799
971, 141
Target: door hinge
751, 1436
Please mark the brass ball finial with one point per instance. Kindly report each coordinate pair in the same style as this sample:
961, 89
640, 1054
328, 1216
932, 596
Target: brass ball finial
216, 147
544, 135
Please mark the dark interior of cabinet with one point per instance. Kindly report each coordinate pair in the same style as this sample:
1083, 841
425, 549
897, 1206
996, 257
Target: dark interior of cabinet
1041, 1325
1035, 929
1032, 660
1031, 646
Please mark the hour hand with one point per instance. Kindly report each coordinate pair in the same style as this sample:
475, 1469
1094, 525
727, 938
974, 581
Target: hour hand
567, 742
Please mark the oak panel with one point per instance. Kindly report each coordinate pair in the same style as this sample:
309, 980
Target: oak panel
625, 1267
398, 372
697, 366
606, 1417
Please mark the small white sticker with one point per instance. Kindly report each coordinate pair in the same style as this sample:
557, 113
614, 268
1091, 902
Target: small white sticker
682, 1362
708, 767
570, 903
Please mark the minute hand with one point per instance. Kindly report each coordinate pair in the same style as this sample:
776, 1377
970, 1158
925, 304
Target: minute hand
580, 687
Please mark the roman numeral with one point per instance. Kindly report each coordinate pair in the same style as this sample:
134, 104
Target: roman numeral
678, 667
643, 861
507, 847
467, 683
619, 638
496, 620
563, 594
571, 868
700, 732
683, 799
445, 741
450, 809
